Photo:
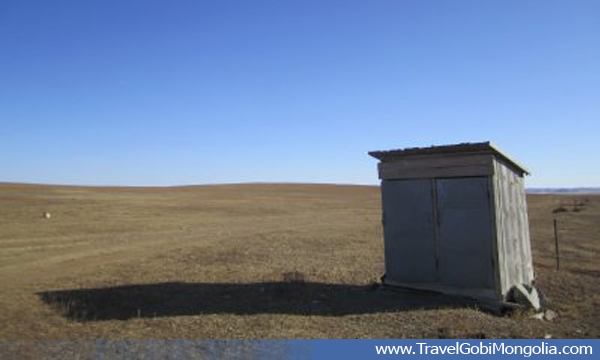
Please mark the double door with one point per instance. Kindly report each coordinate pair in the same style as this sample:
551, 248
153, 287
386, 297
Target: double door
439, 231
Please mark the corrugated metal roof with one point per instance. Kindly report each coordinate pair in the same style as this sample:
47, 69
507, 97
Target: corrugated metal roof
462, 148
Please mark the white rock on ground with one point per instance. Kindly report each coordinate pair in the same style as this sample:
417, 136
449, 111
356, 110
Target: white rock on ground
550, 315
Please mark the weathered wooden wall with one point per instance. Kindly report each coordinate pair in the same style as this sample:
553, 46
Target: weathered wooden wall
512, 228
437, 166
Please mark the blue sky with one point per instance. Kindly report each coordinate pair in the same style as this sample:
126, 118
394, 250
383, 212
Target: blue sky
191, 92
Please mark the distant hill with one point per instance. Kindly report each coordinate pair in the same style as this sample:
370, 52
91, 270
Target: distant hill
565, 191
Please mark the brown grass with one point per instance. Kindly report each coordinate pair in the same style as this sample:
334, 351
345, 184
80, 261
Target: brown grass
253, 261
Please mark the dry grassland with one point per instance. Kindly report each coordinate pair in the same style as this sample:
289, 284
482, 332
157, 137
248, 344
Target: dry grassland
254, 261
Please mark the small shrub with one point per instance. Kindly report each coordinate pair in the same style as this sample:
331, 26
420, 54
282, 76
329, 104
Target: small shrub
559, 210
294, 277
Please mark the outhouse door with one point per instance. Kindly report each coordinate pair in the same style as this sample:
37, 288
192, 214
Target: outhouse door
464, 236
409, 231
439, 231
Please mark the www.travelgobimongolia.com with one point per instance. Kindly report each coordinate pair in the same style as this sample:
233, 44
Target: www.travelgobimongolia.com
466, 348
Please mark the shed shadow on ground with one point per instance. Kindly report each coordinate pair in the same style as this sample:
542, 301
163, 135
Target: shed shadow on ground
295, 298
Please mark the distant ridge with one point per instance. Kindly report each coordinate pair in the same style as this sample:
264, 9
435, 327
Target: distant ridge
565, 191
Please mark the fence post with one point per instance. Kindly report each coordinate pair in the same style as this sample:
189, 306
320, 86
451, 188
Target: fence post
556, 245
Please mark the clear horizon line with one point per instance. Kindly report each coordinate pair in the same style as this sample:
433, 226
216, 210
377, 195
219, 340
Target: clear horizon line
536, 188
186, 185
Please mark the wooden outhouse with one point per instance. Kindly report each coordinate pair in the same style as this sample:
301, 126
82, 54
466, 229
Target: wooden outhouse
455, 219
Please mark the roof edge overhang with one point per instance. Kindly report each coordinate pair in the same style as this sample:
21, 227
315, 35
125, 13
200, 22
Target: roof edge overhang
452, 149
